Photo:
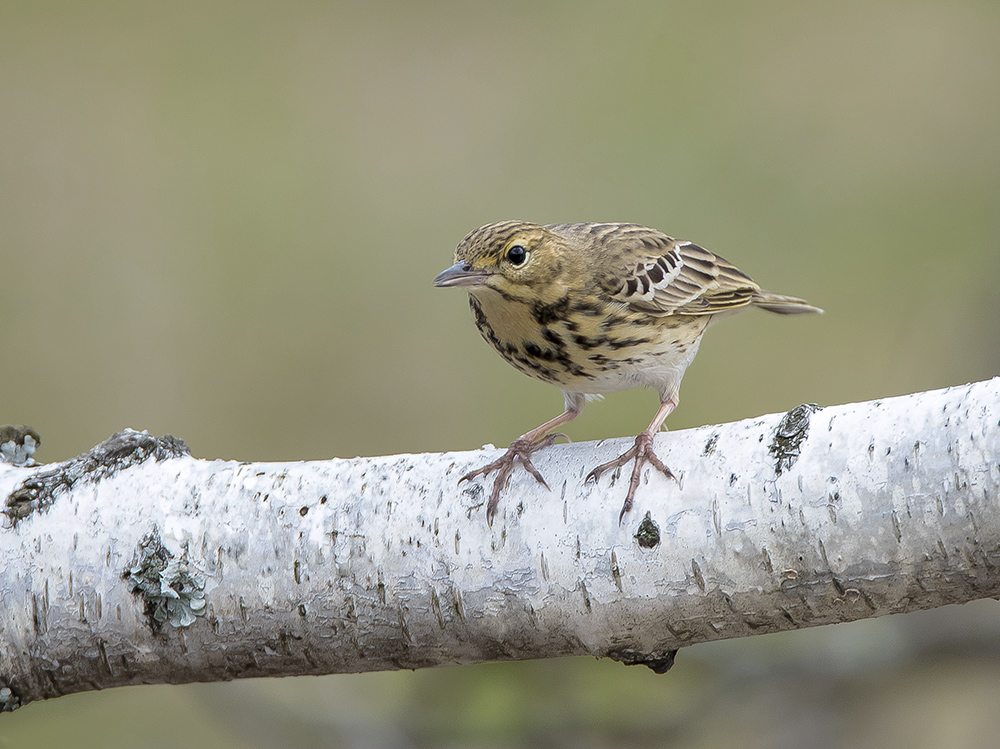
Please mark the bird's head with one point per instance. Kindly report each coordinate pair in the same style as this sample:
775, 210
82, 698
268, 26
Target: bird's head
517, 259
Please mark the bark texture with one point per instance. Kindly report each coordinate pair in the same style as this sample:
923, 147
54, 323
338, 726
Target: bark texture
136, 563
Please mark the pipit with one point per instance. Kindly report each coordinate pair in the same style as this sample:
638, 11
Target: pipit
595, 309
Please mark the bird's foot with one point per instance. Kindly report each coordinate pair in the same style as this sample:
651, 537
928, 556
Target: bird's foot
641, 452
519, 450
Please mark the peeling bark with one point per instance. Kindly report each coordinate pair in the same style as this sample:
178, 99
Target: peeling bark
136, 563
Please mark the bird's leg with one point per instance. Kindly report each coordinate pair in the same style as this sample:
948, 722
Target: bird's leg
641, 452
521, 449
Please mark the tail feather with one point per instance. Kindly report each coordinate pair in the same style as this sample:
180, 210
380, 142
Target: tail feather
783, 305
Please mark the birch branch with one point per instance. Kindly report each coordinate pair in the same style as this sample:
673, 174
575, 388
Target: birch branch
136, 563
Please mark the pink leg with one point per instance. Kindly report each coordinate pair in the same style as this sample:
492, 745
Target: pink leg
521, 449
641, 452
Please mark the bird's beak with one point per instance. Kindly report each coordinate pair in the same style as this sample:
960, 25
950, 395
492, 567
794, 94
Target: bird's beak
461, 274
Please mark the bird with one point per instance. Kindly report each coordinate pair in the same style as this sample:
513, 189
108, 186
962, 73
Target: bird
596, 308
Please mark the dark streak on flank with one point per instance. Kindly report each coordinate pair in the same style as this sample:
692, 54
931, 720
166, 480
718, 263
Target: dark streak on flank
591, 308
626, 342
533, 349
586, 343
546, 314
615, 321
484, 326
552, 337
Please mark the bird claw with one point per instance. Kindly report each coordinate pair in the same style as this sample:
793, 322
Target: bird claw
519, 449
641, 452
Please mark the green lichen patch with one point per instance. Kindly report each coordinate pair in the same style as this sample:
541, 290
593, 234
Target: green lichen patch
17, 445
172, 588
120, 451
789, 436
9, 701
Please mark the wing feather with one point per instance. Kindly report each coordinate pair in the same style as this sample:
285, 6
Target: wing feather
645, 269
663, 276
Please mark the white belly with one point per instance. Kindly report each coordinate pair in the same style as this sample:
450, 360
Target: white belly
661, 369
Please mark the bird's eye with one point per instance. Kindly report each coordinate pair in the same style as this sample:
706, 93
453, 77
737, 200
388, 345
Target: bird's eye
517, 255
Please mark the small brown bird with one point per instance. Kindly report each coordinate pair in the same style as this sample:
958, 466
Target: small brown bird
594, 309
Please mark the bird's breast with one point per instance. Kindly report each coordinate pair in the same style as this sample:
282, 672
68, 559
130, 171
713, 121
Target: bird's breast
586, 344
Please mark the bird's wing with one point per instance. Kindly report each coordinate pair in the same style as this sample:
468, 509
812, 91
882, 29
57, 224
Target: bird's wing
664, 276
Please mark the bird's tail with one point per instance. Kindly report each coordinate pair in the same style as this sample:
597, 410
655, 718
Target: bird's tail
783, 305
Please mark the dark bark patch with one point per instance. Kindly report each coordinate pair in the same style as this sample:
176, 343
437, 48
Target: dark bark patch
120, 451
710, 445
789, 436
660, 663
648, 533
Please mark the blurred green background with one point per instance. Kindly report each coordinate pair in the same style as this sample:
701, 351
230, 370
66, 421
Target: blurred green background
221, 220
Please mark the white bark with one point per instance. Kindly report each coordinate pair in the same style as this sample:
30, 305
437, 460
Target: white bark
386, 563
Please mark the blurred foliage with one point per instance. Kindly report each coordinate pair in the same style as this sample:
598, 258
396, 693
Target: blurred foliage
220, 220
